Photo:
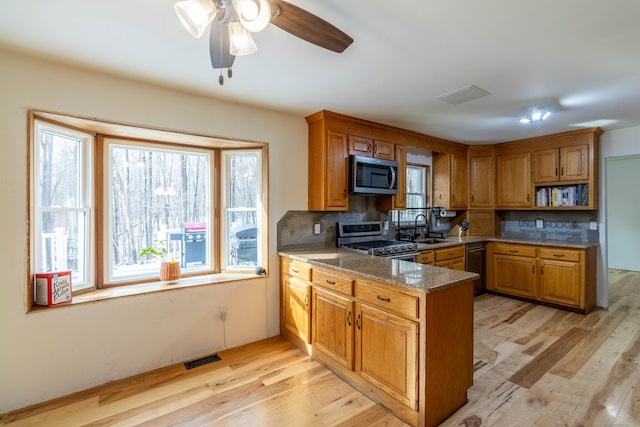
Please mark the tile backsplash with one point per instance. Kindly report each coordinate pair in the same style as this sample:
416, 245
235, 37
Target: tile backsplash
295, 228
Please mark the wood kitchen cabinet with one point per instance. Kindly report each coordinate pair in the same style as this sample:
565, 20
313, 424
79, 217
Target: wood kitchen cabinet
563, 277
560, 276
481, 177
409, 350
561, 164
514, 269
513, 181
425, 257
450, 257
333, 331
449, 180
369, 147
295, 313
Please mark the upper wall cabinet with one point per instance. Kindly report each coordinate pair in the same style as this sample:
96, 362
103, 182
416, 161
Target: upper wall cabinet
562, 174
368, 147
513, 181
449, 180
480, 177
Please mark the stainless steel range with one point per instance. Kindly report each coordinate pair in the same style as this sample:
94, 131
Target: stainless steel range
367, 237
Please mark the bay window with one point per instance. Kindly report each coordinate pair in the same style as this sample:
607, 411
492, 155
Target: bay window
98, 199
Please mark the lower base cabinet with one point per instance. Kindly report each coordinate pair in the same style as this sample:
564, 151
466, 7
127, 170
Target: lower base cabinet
410, 351
563, 277
387, 353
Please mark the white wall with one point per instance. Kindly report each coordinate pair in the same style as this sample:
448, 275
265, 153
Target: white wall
623, 206
615, 143
52, 353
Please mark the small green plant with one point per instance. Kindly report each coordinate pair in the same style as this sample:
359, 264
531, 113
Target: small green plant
157, 250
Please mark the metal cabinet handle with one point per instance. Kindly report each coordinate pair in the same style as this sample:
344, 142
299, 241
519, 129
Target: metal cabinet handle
349, 318
344, 194
562, 171
513, 251
306, 300
528, 197
358, 325
556, 171
383, 298
295, 271
542, 269
331, 282
533, 269
558, 255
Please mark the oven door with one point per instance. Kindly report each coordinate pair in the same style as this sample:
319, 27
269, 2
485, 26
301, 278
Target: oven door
409, 256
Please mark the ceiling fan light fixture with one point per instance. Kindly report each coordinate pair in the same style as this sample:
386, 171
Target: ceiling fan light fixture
254, 15
195, 15
240, 40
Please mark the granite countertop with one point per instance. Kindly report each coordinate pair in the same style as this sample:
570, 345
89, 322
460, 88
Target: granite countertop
404, 274
452, 241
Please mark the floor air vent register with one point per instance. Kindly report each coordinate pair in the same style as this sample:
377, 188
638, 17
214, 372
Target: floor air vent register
202, 361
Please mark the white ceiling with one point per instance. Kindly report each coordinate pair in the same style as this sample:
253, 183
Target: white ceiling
581, 55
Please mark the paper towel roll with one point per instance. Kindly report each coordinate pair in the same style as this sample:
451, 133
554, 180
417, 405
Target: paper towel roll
447, 214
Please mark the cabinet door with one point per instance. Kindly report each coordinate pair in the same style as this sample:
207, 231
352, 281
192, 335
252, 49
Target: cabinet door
481, 169
400, 199
458, 182
332, 320
449, 181
383, 150
387, 353
481, 223
515, 275
513, 181
297, 309
337, 172
560, 282
574, 163
546, 165
360, 146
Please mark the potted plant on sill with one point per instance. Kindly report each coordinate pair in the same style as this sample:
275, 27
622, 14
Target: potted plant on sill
169, 269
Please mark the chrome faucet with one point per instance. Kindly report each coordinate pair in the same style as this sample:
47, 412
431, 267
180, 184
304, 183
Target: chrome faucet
415, 223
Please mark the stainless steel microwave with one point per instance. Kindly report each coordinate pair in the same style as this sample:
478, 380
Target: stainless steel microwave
372, 176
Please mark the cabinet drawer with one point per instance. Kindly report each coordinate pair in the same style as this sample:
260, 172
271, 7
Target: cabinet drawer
517, 250
426, 257
560, 254
389, 300
296, 268
449, 253
333, 281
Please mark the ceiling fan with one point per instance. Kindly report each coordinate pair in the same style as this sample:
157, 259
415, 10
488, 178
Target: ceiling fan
233, 21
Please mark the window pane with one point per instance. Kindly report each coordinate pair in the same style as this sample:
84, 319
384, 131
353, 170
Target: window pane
415, 179
59, 170
243, 176
63, 244
62, 214
158, 198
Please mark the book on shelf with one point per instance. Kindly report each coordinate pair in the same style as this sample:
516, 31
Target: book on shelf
570, 195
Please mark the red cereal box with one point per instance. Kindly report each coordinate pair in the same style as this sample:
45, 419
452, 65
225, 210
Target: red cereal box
52, 288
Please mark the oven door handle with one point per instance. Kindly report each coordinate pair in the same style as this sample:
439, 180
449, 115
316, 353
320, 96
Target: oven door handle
408, 255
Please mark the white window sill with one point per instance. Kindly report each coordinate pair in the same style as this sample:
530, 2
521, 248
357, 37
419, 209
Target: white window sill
149, 288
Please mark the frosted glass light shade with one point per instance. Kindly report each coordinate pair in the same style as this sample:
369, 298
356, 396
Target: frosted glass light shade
240, 40
254, 15
195, 15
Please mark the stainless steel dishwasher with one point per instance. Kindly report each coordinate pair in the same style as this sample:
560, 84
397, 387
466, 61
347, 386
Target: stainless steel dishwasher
475, 261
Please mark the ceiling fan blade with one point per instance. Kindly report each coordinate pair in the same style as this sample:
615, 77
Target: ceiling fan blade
308, 26
219, 46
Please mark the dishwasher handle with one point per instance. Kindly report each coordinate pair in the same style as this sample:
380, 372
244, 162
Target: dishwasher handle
479, 249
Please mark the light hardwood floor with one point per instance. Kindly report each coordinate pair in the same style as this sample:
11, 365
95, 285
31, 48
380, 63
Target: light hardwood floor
534, 366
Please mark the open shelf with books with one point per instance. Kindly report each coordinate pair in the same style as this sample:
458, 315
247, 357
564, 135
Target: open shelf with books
563, 196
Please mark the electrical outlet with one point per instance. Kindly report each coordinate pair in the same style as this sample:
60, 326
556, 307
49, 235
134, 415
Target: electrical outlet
386, 226
593, 225
539, 223
316, 229
222, 312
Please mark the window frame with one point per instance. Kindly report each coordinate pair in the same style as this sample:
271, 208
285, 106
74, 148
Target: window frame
101, 130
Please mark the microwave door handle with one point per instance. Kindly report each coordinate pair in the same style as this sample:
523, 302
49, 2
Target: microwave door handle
393, 177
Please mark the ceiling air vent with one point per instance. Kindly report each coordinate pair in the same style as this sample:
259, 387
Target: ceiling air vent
464, 94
